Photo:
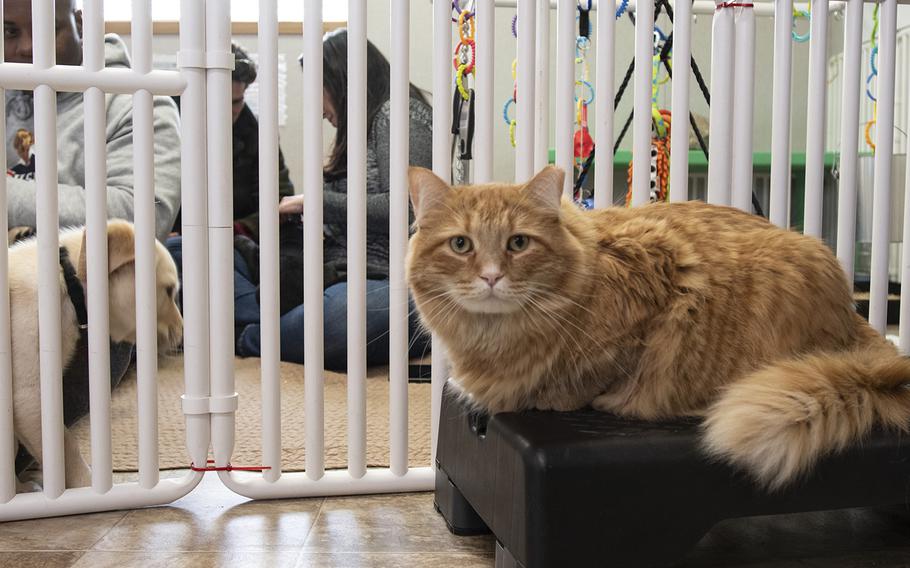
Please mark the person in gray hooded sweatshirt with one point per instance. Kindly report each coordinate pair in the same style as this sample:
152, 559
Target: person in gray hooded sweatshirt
21, 187
70, 134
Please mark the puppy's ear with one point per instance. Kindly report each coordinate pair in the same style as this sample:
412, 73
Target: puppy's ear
427, 191
81, 268
547, 186
121, 244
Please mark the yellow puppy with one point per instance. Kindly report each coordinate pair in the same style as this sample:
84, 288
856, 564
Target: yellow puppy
23, 274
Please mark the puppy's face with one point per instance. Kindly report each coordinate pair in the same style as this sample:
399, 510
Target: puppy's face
170, 322
122, 288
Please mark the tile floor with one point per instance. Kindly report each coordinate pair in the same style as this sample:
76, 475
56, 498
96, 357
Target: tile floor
213, 527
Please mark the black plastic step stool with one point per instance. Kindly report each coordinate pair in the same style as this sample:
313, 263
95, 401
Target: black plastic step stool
585, 488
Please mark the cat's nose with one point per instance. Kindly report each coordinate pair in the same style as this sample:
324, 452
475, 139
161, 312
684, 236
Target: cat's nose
492, 278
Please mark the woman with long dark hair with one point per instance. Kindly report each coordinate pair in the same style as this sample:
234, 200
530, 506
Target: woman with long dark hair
335, 84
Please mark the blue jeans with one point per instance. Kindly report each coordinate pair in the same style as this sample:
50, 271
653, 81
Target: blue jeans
335, 323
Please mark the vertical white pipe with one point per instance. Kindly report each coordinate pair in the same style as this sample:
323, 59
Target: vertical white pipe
357, 236
815, 118
7, 436
96, 245
144, 218
399, 98
904, 330
524, 135
312, 244
221, 221
641, 121
49, 311
542, 88
884, 146
780, 114
679, 136
852, 82
603, 104
744, 96
565, 88
442, 151
483, 129
720, 167
270, 349
194, 215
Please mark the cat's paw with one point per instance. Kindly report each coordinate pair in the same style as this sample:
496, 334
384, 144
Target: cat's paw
605, 403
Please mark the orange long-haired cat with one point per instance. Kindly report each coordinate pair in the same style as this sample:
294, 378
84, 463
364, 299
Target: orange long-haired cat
652, 312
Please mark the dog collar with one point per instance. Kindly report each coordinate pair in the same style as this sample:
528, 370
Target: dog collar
74, 289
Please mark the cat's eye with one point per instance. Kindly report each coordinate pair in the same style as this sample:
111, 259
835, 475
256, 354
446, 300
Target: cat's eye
518, 243
461, 245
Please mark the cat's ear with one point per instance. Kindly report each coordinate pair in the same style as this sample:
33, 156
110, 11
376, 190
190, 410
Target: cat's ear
546, 186
427, 190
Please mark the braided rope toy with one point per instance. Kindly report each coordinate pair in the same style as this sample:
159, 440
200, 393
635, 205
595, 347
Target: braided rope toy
660, 165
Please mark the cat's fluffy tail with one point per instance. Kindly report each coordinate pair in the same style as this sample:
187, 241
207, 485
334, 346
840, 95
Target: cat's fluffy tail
778, 421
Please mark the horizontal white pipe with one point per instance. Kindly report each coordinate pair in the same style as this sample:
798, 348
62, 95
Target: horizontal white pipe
334, 482
849, 141
68, 78
764, 9
86, 500
641, 121
268, 238
780, 115
884, 146
312, 224
565, 89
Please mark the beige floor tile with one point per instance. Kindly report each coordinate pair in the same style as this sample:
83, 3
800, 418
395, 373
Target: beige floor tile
244, 559
392, 560
76, 532
387, 523
39, 559
213, 518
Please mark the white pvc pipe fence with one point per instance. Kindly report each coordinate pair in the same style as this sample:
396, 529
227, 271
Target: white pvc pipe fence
203, 80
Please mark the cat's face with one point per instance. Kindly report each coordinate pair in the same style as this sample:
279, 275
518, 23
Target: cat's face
493, 249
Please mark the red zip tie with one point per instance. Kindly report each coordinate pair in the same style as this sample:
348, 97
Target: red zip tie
735, 5
229, 467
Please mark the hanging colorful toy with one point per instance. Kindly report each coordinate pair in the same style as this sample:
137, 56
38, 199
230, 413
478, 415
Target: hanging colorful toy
873, 55
583, 143
799, 14
463, 97
660, 133
510, 121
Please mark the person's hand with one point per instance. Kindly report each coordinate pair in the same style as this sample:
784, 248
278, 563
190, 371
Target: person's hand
292, 204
